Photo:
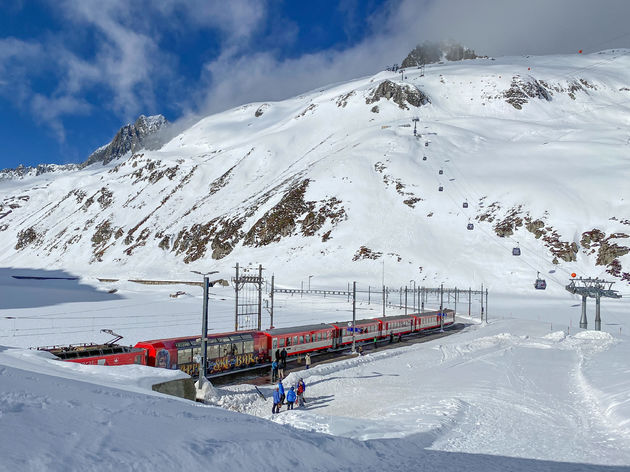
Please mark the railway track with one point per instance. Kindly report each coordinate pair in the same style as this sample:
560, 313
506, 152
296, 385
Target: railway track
261, 375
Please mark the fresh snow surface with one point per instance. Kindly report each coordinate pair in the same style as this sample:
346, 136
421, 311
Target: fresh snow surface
563, 161
517, 393
527, 391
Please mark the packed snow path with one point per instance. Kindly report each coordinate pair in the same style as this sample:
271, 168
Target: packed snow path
486, 391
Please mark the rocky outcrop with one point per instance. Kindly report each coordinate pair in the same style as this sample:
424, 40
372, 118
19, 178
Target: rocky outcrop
521, 91
399, 94
366, 253
430, 53
130, 138
24, 171
608, 252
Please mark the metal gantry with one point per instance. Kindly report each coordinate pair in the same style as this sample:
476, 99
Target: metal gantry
593, 288
248, 299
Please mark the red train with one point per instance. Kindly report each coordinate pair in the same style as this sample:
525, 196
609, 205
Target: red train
99, 354
242, 349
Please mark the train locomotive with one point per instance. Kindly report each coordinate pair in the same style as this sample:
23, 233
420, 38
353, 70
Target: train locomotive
231, 351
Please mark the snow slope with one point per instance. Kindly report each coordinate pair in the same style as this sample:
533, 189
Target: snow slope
316, 178
536, 145
514, 394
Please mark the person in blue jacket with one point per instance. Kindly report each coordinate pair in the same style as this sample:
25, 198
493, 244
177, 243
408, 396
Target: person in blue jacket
281, 390
274, 371
291, 397
276, 402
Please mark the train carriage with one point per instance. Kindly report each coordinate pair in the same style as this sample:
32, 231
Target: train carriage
395, 325
99, 354
300, 339
363, 330
432, 320
225, 351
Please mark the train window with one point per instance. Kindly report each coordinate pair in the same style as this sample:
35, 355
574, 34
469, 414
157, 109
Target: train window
289, 341
274, 344
281, 342
307, 338
301, 339
248, 346
184, 356
295, 340
213, 351
196, 352
319, 336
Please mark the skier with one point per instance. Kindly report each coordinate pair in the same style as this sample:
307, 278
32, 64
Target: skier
291, 397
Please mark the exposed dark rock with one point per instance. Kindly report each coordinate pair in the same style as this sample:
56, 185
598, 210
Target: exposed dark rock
412, 201
281, 220
102, 234
510, 223
519, 92
342, 100
400, 94
105, 199
140, 135
26, 237
430, 53
366, 253
261, 110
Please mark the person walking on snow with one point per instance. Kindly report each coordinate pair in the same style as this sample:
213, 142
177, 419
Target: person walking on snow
291, 397
276, 402
301, 387
274, 371
307, 360
281, 390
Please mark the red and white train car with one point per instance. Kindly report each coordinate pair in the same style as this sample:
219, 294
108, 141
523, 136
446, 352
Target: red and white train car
300, 339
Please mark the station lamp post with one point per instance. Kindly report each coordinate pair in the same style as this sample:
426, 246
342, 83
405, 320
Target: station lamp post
203, 362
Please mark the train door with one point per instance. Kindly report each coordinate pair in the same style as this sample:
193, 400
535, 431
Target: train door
274, 346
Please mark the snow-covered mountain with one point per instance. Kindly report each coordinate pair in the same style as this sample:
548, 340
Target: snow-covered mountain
530, 151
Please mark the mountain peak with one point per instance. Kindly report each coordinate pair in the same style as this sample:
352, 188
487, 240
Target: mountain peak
131, 137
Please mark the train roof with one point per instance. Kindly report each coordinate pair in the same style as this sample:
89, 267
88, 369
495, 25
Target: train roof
232, 334
363, 321
394, 318
297, 329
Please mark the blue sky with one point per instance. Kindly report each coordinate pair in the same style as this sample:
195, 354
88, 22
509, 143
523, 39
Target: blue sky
72, 72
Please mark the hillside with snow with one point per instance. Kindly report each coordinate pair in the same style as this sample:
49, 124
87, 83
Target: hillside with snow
335, 183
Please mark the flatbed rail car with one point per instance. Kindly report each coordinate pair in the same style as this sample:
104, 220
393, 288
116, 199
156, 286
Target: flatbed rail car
226, 351
98, 354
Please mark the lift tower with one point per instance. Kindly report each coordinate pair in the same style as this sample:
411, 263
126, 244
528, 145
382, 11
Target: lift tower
594, 288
